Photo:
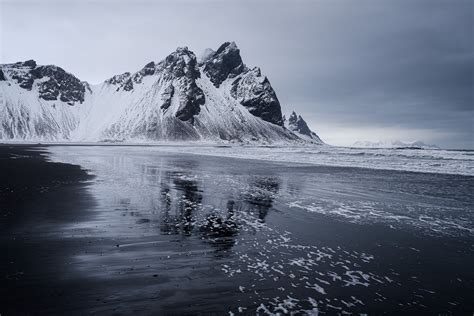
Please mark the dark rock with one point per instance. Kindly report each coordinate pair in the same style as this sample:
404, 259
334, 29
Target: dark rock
128, 85
251, 89
30, 63
148, 70
118, 79
49, 90
166, 97
255, 92
37, 73
297, 124
2, 76
60, 83
180, 63
190, 105
24, 80
180, 67
151, 64
125, 81
224, 63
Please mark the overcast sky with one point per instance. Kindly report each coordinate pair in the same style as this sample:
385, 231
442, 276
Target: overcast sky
355, 70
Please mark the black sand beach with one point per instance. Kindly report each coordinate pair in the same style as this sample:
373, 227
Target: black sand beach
115, 230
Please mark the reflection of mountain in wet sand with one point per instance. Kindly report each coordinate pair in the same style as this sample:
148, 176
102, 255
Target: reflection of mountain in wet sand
261, 193
181, 206
178, 207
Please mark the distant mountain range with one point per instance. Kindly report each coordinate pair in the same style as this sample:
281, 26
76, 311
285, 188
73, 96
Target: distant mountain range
393, 144
181, 98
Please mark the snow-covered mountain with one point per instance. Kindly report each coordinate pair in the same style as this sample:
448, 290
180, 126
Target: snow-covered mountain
217, 98
393, 144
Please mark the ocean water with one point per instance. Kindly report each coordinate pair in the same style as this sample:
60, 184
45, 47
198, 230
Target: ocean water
420, 160
229, 230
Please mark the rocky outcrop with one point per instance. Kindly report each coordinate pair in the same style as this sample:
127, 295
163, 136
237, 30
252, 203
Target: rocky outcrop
255, 92
58, 83
119, 80
148, 70
180, 69
249, 87
20, 72
29, 63
298, 125
53, 82
166, 97
224, 63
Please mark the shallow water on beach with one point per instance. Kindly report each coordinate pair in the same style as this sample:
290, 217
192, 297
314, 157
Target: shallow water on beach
178, 233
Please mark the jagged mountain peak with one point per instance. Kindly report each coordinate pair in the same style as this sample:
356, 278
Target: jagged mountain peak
227, 47
297, 124
180, 63
151, 64
180, 52
225, 63
293, 117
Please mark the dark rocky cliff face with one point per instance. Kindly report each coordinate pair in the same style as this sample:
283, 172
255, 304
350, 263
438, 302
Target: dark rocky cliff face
296, 123
56, 83
181, 71
224, 63
250, 88
255, 92
60, 84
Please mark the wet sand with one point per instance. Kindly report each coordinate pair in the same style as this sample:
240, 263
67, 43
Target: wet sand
132, 230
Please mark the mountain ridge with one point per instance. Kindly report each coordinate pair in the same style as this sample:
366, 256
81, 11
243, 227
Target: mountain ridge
179, 98
394, 144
